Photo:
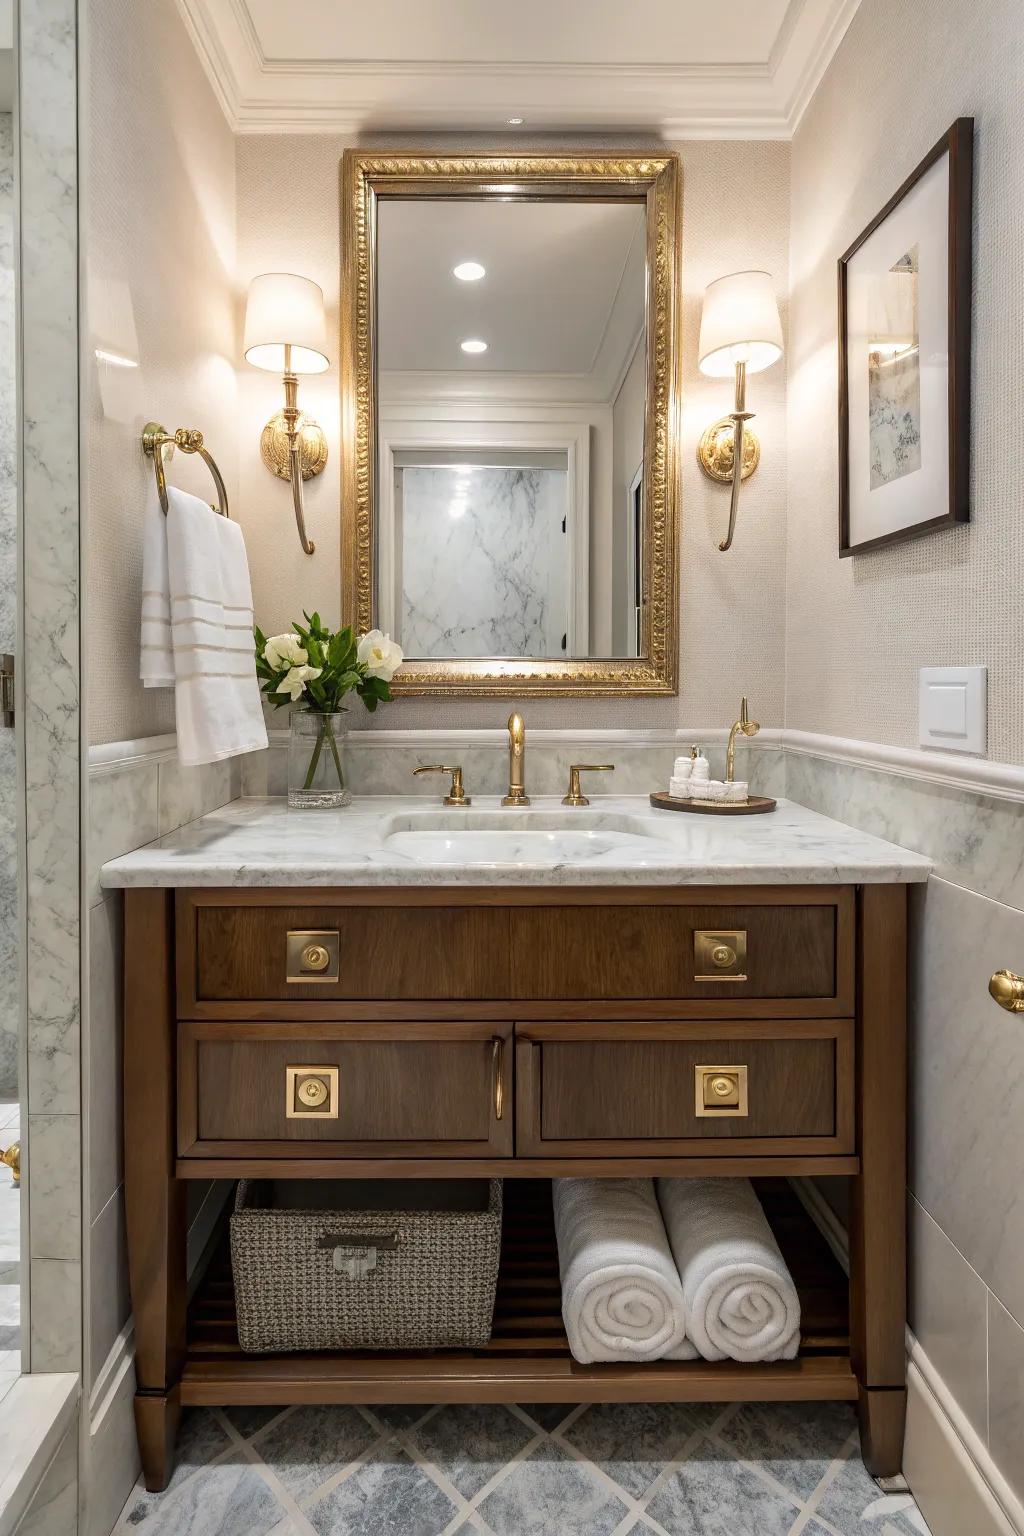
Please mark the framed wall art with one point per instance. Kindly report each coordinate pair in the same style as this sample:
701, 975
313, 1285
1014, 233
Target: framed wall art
905, 357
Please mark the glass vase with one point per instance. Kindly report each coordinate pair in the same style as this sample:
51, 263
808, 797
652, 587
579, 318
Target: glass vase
317, 769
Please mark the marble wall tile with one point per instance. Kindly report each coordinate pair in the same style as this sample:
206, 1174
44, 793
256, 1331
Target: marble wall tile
947, 1304
967, 1082
1006, 1394
10, 810
124, 813
976, 841
56, 1320
187, 793
109, 1299
55, 1186
53, 1510
482, 561
106, 1039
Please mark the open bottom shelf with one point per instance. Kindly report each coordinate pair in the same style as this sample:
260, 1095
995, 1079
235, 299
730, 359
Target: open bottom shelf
527, 1359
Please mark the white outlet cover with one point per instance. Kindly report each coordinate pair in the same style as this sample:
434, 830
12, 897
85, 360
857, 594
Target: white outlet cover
953, 708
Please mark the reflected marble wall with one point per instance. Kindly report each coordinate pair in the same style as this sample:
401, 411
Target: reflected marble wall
483, 561
8, 621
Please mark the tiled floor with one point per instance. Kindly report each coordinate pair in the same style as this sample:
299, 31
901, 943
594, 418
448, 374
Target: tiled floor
695, 1470
10, 1248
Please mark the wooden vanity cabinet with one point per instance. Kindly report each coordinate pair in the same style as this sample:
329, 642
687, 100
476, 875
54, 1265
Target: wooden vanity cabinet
520, 1033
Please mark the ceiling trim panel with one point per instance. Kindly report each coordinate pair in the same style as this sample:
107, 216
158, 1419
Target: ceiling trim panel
725, 101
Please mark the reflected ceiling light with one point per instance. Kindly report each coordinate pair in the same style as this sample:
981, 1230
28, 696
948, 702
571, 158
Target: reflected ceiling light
472, 344
116, 359
457, 508
469, 271
514, 122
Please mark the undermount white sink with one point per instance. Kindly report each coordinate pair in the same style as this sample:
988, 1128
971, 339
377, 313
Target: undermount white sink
514, 836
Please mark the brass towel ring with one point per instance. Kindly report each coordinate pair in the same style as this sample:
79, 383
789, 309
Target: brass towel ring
157, 441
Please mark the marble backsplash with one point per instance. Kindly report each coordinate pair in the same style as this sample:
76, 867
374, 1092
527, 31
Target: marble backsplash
380, 768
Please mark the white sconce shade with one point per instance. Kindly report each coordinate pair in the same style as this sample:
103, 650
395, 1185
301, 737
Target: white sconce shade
285, 310
739, 324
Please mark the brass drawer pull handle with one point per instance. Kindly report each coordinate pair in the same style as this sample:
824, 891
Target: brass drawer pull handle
1008, 990
719, 956
720, 1092
497, 1075
312, 956
311, 1093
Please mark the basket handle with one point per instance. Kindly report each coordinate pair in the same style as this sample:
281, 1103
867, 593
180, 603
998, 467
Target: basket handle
355, 1253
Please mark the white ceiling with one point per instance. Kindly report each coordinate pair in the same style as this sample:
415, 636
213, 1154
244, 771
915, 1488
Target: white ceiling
745, 68
563, 291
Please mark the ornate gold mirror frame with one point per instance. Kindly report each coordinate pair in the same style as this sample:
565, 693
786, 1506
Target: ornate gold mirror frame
655, 180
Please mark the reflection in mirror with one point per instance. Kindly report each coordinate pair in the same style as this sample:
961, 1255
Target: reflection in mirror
511, 389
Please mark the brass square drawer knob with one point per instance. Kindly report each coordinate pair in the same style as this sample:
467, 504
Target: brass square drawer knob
719, 955
313, 956
311, 1093
720, 1091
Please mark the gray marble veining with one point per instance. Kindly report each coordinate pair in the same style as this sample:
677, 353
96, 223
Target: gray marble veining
9, 935
263, 843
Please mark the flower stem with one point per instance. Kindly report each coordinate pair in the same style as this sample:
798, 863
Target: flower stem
314, 759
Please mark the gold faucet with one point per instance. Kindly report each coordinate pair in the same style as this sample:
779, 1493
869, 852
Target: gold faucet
456, 795
749, 728
12, 1159
516, 762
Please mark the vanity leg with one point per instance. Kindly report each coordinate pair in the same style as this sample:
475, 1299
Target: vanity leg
154, 1199
878, 1210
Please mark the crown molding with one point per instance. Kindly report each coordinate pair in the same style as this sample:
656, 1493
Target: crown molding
261, 94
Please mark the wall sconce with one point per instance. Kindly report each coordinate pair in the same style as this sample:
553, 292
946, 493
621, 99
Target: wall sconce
285, 333
740, 330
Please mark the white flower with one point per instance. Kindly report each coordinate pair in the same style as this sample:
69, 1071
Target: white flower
295, 680
285, 651
380, 655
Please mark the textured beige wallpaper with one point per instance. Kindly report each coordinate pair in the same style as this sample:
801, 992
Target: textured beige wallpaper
859, 629
158, 164
735, 214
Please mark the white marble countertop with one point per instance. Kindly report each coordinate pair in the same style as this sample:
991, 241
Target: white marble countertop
617, 840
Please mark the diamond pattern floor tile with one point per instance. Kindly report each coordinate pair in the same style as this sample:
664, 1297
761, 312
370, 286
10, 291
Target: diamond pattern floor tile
388, 1496
470, 1442
745, 1471
551, 1494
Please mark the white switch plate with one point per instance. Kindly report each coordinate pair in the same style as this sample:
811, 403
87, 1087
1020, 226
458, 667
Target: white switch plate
953, 710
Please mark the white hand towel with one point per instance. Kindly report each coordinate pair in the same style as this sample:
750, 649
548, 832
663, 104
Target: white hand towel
741, 1303
679, 789
621, 1297
207, 619
156, 666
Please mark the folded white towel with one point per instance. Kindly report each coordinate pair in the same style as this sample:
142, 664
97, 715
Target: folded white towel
197, 629
679, 788
621, 1296
735, 791
741, 1303
708, 789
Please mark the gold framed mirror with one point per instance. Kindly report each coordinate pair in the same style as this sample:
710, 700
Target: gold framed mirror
510, 419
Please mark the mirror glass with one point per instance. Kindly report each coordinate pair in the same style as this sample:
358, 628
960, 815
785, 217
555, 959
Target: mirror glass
511, 364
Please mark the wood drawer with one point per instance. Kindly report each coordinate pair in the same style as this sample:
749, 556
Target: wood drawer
392, 1090
785, 950
629, 1090
240, 953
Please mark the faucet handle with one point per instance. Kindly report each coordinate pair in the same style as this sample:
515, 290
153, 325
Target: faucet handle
457, 795
576, 795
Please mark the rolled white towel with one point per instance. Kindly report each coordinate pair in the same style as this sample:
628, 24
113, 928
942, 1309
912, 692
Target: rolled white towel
740, 1300
621, 1296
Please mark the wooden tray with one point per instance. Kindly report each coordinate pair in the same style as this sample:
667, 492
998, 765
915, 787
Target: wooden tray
756, 805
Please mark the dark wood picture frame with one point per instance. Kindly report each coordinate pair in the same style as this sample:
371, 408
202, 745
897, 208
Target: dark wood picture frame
958, 144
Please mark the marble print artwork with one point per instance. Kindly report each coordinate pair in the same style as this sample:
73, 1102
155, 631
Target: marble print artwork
543, 1469
482, 561
894, 387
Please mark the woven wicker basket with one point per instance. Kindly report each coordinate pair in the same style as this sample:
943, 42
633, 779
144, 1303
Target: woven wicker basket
315, 1279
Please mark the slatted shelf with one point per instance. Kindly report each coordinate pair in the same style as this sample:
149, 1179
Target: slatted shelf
527, 1358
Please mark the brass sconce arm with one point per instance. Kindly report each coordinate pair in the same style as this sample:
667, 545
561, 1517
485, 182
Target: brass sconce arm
738, 415
291, 415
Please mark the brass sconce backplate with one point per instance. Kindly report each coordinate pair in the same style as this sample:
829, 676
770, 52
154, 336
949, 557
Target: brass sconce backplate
714, 451
312, 446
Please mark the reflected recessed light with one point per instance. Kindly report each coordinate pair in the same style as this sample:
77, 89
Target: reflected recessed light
117, 359
514, 122
469, 271
473, 345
